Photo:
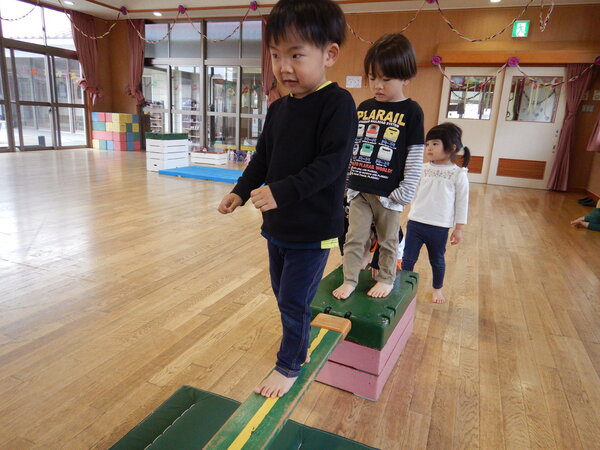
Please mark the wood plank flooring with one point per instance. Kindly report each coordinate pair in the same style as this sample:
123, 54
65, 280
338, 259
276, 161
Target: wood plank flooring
119, 285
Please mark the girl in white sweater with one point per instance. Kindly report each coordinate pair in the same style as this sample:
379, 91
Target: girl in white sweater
441, 202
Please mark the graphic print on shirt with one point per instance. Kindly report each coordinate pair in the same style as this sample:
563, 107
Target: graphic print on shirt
373, 131
360, 130
378, 131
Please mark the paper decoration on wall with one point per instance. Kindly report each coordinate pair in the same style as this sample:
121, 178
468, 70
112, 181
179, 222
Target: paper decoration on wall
543, 22
515, 62
353, 82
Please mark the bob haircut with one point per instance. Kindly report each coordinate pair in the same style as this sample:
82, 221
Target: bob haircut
391, 56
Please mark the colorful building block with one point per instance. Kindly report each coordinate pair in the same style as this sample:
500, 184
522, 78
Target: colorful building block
121, 130
100, 126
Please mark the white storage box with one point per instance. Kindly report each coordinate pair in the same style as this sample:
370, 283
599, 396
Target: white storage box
166, 145
160, 161
208, 158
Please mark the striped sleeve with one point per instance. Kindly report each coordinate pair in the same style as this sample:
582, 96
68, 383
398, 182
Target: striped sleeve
405, 193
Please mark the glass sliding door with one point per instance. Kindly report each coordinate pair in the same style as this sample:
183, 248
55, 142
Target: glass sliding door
187, 114
69, 103
156, 89
4, 120
253, 108
31, 86
47, 104
222, 108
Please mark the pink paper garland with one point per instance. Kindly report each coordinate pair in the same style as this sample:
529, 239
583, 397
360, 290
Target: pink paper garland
514, 62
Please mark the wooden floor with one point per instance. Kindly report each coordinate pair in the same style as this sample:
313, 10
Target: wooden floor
118, 285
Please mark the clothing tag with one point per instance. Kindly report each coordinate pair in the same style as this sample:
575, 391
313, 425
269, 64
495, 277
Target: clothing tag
329, 243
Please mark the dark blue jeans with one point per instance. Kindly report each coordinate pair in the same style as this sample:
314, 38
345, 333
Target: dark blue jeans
295, 275
435, 239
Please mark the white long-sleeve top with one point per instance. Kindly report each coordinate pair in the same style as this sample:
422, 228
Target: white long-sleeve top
442, 197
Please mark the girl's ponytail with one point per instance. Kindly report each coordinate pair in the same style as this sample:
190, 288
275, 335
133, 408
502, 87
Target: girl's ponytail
466, 156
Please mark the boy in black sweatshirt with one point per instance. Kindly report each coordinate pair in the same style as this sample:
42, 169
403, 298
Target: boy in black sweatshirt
297, 175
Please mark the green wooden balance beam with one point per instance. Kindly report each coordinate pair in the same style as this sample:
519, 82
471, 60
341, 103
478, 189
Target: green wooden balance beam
255, 424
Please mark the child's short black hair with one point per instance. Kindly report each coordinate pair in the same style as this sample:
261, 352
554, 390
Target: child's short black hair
320, 22
451, 137
391, 56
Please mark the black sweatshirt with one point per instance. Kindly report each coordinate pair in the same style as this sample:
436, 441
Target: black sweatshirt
302, 154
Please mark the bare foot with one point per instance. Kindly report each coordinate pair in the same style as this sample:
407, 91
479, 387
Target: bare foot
343, 291
275, 385
307, 359
380, 290
437, 296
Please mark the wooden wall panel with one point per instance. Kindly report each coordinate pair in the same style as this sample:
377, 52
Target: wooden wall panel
521, 168
428, 31
475, 165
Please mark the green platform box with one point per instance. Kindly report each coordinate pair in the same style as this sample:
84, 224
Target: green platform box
191, 417
373, 319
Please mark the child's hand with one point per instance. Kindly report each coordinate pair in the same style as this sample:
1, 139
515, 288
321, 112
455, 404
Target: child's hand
456, 237
580, 224
263, 199
577, 221
229, 203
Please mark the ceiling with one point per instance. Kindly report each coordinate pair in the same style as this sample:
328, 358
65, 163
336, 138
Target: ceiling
143, 9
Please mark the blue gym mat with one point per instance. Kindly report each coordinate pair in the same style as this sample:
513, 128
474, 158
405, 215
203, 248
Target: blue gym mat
205, 173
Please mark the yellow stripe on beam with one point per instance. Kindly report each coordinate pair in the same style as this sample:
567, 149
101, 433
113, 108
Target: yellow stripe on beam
253, 424
263, 411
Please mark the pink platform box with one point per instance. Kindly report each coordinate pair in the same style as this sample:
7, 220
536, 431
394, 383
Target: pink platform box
369, 359
108, 117
120, 145
101, 117
137, 145
362, 370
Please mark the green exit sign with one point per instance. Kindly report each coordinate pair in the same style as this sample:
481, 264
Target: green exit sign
520, 28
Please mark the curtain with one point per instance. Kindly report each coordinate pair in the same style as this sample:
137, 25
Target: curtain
594, 142
268, 78
87, 52
136, 60
574, 90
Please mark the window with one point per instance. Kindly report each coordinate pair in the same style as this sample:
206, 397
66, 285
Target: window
66, 74
251, 39
229, 48
43, 26
185, 42
155, 86
32, 76
155, 32
471, 97
58, 29
222, 89
220, 104
185, 82
29, 29
533, 102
